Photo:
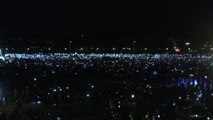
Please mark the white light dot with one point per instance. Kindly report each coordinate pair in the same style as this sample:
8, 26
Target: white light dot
133, 96
38, 102
158, 116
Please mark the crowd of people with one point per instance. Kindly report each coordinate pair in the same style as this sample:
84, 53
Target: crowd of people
106, 86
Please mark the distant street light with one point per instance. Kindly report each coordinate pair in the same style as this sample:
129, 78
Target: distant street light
187, 43
133, 47
132, 96
70, 42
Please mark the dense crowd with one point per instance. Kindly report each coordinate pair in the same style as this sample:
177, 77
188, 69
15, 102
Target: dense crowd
107, 86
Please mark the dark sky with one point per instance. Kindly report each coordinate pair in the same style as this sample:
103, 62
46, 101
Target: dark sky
191, 19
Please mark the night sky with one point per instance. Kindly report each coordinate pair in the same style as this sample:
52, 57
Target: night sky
191, 19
